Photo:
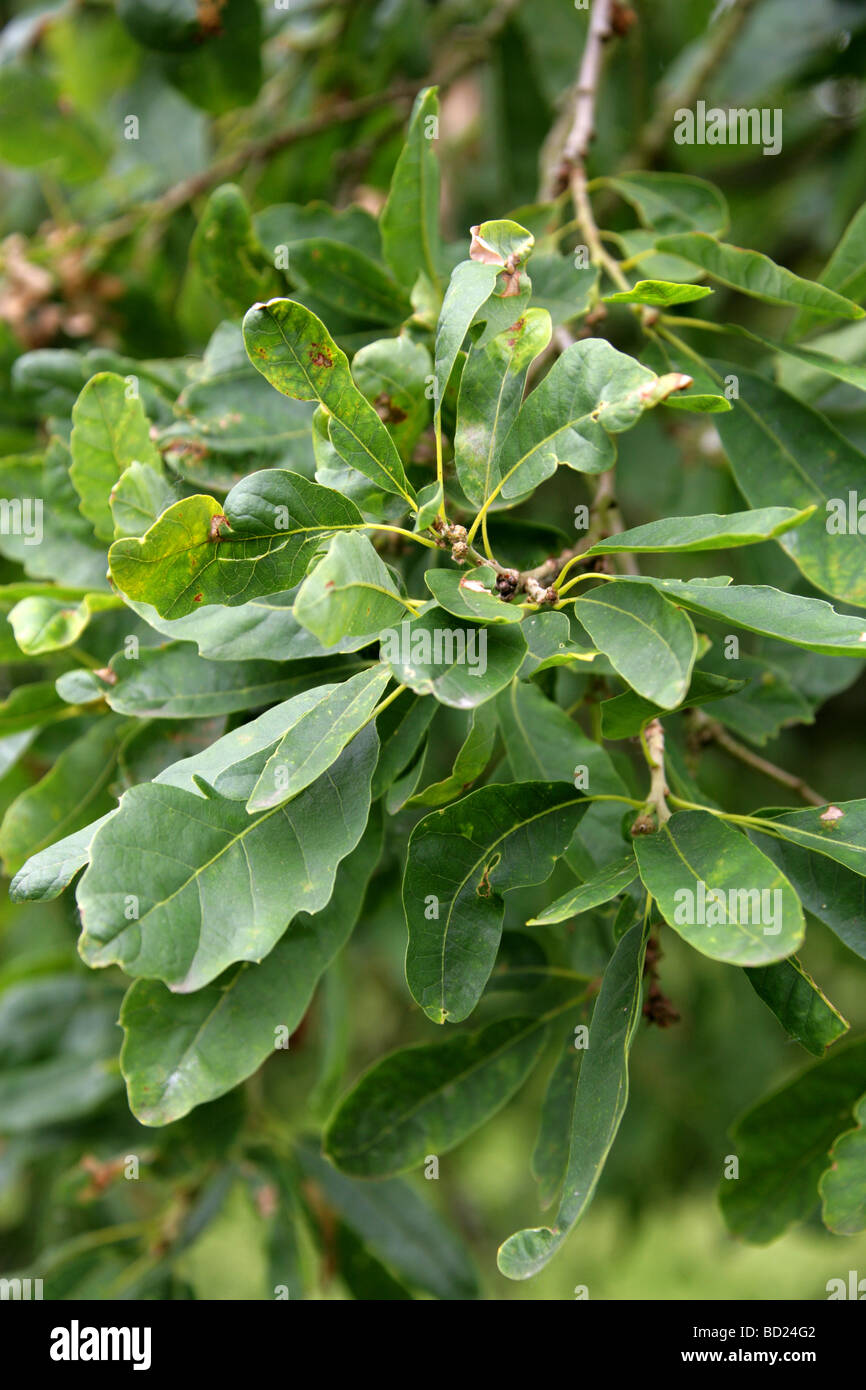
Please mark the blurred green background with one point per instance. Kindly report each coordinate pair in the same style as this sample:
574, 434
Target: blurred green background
654, 1230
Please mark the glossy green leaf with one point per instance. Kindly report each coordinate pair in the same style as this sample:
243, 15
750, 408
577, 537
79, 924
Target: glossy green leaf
138, 499
718, 892
651, 643
471, 595
804, 1012
470, 286
491, 390
460, 862
309, 747
171, 682
599, 1105
461, 664
782, 450
410, 217
46, 874
179, 886
109, 432
704, 532
842, 838
608, 883
804, 622
427, 1099
754, 274
72, 793
550, 1155
182, 1050
660, 293
472, 758
590, 393
276, 522
832, 893
349, 594
49, 624
292, 348
784, 1144
394, 374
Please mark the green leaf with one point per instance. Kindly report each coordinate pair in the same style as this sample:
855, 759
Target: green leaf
625, 715
401, 728
470, 286
471, 595
393, 374
29, 706
460, 862
180, 886
38, 130
845, 271
491, 390
48, 624
461, 664
650, 643
591, 392
60, 543
171, 682
309, 747
230, 258
138, 499
718, 892
349, 594
784, 1146
277, 522
294, 350
54, 1092
782, 450
262, 628
754, 274
843, 1185
410, 218
842, 839
223, 71
550, 1155
833, 894
804, 622
710, 532
661, 293
182, 1050
542, 742
599, 1105
72, 793
608, 883
344, 278
804, 1012
47, 873
472, 758
109, 432
166, 25
673, 202
406, 1234
427, 1099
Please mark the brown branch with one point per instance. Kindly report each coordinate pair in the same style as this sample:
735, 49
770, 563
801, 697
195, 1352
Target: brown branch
709, 729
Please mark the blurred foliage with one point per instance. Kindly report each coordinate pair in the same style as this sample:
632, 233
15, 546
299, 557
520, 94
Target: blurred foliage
110, 144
